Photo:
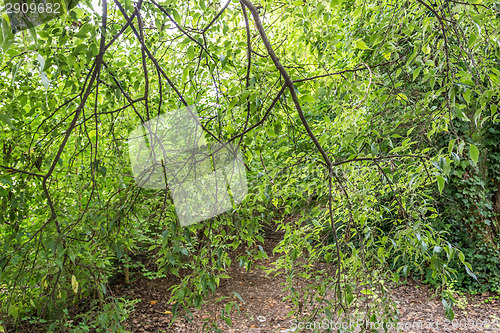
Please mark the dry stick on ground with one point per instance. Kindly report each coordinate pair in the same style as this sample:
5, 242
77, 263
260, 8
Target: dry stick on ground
289, 85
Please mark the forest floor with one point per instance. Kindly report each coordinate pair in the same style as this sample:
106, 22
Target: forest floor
264, 310
262, 307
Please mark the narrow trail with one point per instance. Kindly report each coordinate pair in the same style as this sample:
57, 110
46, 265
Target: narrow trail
264, 310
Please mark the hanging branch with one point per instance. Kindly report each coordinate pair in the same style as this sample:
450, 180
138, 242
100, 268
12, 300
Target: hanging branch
290, 86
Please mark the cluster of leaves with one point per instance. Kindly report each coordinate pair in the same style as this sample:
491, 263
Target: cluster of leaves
358, 144
470, 212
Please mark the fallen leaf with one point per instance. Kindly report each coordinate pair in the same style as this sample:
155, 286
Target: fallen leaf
154, 302
167, 312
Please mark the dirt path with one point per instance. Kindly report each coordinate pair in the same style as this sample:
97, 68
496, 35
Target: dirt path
264, 311
263, 308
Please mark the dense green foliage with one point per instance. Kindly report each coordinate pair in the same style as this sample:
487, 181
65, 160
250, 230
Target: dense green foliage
471, 210
385, 149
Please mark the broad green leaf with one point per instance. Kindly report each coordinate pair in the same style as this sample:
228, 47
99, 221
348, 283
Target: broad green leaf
440, 181
362, 45
416, 72
190, 52
474, 153
366, 292
374, 149
451, 144
469, 271
493, 109
238, 296
81, 48
223, 60
45, 80
177, 17
323, 139
6, 37
307, 98
6, 119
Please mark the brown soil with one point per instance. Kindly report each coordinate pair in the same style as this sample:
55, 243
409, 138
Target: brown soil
264, 310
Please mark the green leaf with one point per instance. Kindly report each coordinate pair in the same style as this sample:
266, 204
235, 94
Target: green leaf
7, 121
366, 292
477, 18
466, 95
307, 98
190, 52
81, 48
238, 296
284, 149
362, 45
440, 181
177, 17
474, 153
41, 60
270, 132
45, 80
32, 32
374, 149
416, 72
493, 109
448, 310
6, 37
71, 59
83, 30
450, 145
472, 39
468, 270
323, 139
223, 60
461, 256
